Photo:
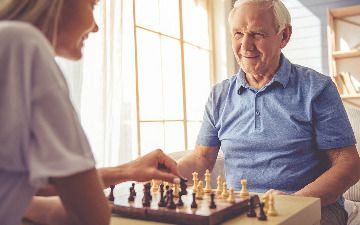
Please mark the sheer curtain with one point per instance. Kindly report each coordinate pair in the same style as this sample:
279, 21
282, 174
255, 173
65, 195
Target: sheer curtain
102, 84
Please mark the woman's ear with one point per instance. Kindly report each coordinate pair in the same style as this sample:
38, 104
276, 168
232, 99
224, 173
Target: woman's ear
285, 35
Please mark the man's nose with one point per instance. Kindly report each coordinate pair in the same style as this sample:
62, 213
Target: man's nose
247, 43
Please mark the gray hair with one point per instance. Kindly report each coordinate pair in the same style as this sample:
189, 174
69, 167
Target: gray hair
43, 14
281, 13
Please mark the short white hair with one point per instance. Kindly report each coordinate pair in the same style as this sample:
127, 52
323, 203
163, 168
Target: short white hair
281, 13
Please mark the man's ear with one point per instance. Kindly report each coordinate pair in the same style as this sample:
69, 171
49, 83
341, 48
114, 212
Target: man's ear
285, 35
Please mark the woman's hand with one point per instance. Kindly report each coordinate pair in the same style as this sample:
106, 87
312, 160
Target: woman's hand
154, 165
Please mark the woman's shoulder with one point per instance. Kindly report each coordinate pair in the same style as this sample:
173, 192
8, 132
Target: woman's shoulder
21, 33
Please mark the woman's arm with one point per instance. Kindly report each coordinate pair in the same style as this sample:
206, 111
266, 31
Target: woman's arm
83, 198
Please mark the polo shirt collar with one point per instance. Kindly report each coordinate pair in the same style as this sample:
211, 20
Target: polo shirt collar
281, 76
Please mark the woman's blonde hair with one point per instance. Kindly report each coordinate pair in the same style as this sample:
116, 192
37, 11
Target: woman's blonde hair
281, 13
43, 14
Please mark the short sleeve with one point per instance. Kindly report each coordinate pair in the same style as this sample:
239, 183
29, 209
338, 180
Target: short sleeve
208, 134
57, 145
331, 124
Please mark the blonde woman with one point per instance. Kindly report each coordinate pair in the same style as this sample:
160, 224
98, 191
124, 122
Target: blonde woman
42, 145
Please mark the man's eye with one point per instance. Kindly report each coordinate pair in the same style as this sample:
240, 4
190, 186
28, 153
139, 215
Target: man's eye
238, 35
259, 35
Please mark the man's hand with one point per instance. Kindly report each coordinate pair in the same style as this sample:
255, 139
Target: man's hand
276, 192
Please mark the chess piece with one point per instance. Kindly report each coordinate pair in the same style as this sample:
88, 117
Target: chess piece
225, 192
262, 215
166, 184
195, 181
167, 187
171, 204
251, 204
147, 195
212, 202
200, 191
162, 199
271, 208
207, 182
231, 198
148, 187
154, 186
161, 187
176, 190
183, 186
180, 202
131, 195
111, 195
219, 189
146, 198
265, 199
193, 204
133, 186
244, 191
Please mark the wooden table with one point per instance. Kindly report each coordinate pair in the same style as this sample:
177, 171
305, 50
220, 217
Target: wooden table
292, 210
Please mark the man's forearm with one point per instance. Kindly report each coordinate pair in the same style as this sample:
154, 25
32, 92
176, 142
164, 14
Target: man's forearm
333, 183
194, 163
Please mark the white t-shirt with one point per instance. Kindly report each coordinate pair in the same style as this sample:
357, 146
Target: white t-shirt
40, 134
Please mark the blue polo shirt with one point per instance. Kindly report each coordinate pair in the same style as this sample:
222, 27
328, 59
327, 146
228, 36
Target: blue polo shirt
276, 137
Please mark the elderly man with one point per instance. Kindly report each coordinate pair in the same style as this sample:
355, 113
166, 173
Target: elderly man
281, 126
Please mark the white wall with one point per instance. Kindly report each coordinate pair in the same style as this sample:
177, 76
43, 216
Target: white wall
308, 45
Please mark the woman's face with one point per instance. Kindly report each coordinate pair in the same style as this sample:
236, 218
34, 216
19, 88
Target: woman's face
75, 23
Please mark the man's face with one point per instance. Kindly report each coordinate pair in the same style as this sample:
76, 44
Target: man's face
255, 43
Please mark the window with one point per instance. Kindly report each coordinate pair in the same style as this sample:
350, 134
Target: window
173, 71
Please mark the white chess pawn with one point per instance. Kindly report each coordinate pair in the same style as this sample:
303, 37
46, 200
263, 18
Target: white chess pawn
244, 191
176, 190
231, 197
271, 208
265, 199
195, 181
154, 186
207, 182
219, 186
225, 192
200, 190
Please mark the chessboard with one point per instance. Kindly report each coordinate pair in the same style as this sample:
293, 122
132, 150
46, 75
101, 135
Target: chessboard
187, 213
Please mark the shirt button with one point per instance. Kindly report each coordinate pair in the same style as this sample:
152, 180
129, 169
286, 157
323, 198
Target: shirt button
257, 113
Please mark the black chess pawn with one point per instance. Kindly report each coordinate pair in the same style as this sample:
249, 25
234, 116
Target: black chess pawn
262, 215
133, 186
147, 186
212, 203
161, 186
167, 198
183, 186
180, 201
193, 204
251, 212
162, 199
131, 195
171, 204
111, 195
146, 198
